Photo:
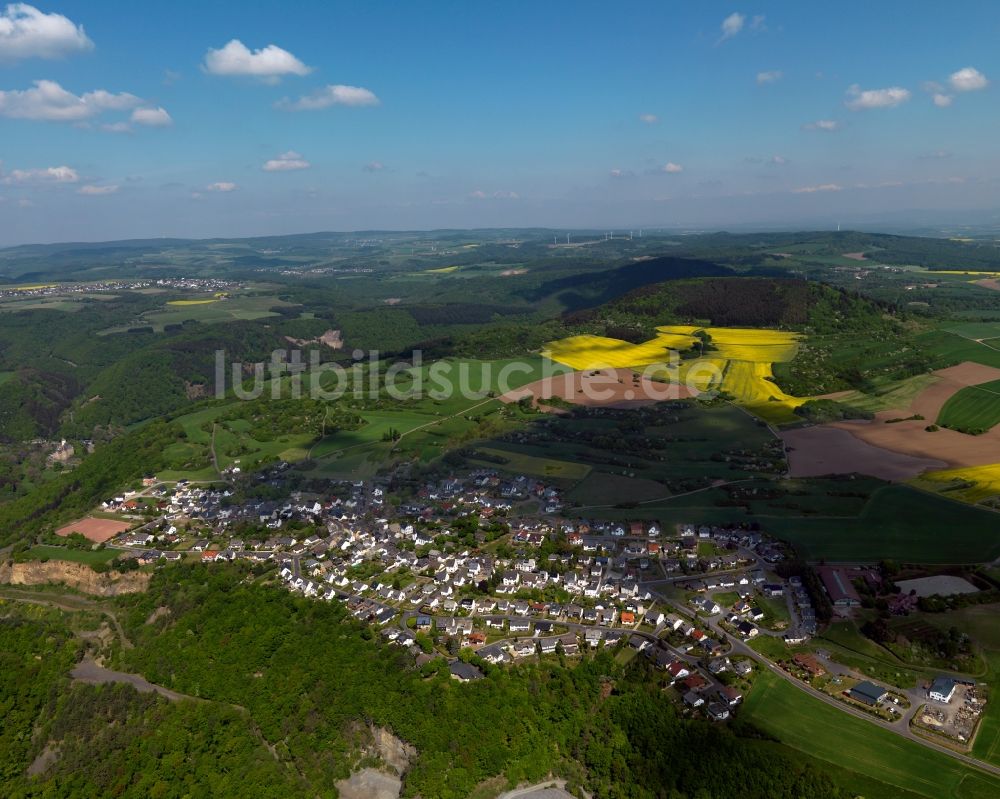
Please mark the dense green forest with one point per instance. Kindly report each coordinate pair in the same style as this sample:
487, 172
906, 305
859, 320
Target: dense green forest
113, 465
296, 677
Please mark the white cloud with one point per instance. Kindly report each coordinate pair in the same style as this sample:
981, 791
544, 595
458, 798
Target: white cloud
649, 119
814, 189
758, 24
778, 160
671, 168
479, 194
152, 117
116, 127
26, 32
334, 94
373, 166
865, 99
269, 63
50, 101
286, 162
96, 191
825, 125
968, 79
52, 174
769, 77
942, 100
221, 187
732, 25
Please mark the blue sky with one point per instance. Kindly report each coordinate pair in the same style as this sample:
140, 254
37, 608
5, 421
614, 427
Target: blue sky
203, 119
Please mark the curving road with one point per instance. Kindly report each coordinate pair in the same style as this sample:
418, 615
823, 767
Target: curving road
900, 726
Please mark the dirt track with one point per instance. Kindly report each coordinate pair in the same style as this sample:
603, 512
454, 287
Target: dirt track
89, 672
608, 388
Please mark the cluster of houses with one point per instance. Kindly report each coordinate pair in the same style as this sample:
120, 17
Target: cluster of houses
697, 690
411, 568
93, 287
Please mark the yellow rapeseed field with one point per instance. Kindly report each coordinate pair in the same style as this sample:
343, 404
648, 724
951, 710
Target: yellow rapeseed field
686, 330
984, 481
739, 363
599, 352
970, 273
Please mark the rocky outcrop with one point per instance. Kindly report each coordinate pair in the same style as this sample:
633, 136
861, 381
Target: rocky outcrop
75, 575
334, 339
385, 782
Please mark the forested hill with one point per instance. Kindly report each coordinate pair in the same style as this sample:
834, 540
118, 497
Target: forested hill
594, 288
295, 675
740, 301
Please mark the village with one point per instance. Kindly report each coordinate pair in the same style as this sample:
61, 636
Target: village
481, 570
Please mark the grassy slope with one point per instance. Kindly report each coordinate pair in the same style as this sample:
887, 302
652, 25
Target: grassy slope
87, 556
897, 522
972, 408
900, 523
809, 725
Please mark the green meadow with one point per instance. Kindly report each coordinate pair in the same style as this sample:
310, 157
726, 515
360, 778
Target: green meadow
851, 744
972, 409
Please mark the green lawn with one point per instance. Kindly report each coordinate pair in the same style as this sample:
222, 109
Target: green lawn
972, 409
848, 646
947, 349
88, 556
229, 309
987, 743
528, 464
853, 745
897, 394
898, 523
974, 330
981, 623
727, 598
604, 488
775, 609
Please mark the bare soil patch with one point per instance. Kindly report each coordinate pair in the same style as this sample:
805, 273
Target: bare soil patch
332, 338
988, 283
822, 450
855, 256
48, 756
943, 584
605, 388
911, 437
96, 530
370, 783
929, 401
